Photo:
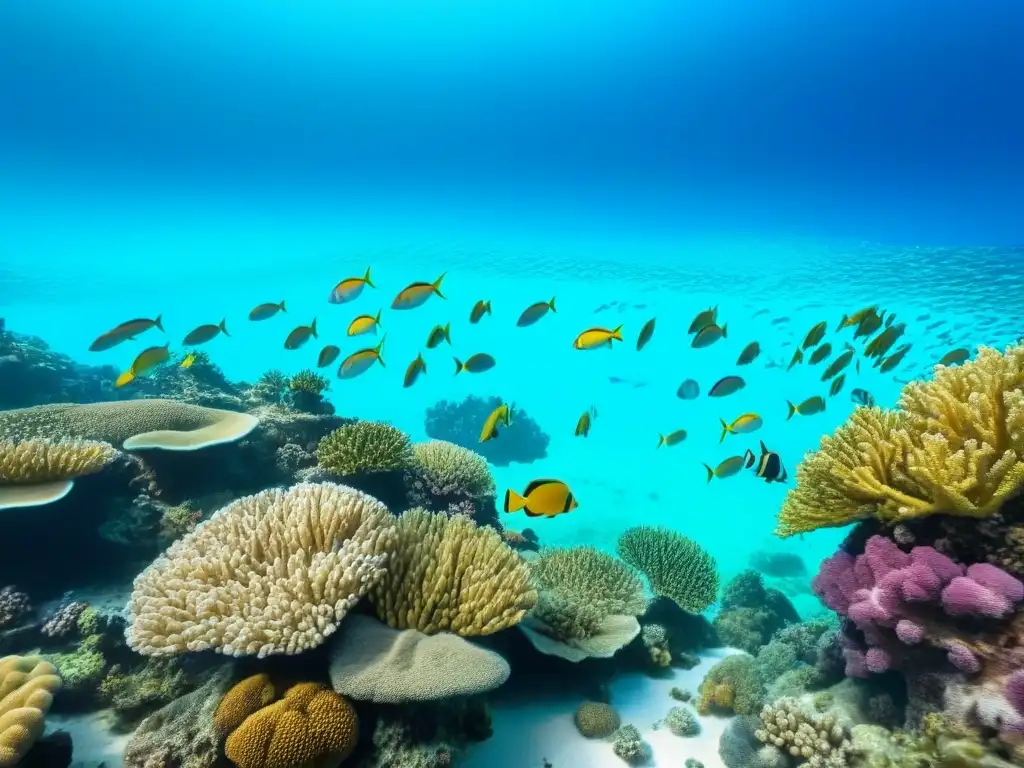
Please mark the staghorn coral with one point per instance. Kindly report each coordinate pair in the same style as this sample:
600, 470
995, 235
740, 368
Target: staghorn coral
305, 557
596, 720
40, 471
136, 424
816, 740
310, 726
366, 447
14, 606
675, 565
244, 698
27, 687
955, 446
449, 574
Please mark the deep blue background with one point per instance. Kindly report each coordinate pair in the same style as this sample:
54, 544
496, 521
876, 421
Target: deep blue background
888, 120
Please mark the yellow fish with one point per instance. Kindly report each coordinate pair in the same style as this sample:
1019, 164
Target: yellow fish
955, 357
816, 334
798, 357
125, 331
704, 319
266, 311
542, 498
857, 317
477, 363
479, 310
708, 335
205, 333
837, 365
672, 438
592, 338
416, 367
350, 288
125, 378
361, 361
416, 294
150, 359
500, 415
730, 466
820, 353
808, 407
535, 312
583, 425
364, 324
299, 336
741, 425
189, 359
438, 334
327, 355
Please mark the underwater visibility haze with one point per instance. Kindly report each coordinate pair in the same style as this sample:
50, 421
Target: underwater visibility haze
536, 385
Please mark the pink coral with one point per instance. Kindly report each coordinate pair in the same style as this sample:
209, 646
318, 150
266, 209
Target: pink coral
963, 658
1014, 691
908, 632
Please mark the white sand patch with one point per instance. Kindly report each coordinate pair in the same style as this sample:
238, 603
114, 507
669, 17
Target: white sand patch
525, 734
93, 743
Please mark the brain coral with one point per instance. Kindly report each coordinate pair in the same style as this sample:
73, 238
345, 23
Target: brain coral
40, 471
243, 699
449, 574
27, 686
136, 424
955, 446
270, 573
371, 661
365, 447
597, 720
676, 566
310, 727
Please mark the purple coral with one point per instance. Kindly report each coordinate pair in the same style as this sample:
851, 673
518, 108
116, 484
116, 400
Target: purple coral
14, 606
1014, 690
891, 595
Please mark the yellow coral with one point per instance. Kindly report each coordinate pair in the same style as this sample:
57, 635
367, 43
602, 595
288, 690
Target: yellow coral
454, 468
310, 727
448, 574
955, 446
270, 573
712, 696
40, 471
243, 699
27, 686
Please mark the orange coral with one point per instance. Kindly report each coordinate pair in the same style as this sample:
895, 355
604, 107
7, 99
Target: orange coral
311, 727
245, 697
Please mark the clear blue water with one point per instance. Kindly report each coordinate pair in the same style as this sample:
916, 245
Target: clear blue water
772, 158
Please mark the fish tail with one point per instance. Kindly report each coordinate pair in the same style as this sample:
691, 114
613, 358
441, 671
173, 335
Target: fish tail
367, 280
513, 501
377, 318
458, 366
552, 303
792, 410
616, 334
223, 327
447, 333
312, 328
487, 307
437, 285
725, 329
711, 472
661, 441
159, 322
842, 323
725, 431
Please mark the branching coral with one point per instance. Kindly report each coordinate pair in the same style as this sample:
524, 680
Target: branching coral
366, 447
270, 573
816, 740
449, 574
27, 687
40, 471
308, 381
676, 566
955, 446
444, 474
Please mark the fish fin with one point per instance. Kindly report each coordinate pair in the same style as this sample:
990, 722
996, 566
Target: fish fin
436, 285
223, 327
552, 303
792, 410
763, 449
661, 441
533, 514
159, 322
535, 484
367, 280
748, 459
458, 366
711, 472
725, 431
725, 329
513, 501
447, 333
616, 334
381, 361
312, 328
377, 318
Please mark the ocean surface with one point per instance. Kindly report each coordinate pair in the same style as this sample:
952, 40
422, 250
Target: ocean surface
772, 159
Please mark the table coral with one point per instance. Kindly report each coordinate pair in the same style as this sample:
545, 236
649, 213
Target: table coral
40, 471
450, 574
955, 446
270, 573
676, 566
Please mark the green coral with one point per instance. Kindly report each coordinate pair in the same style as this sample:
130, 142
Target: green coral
751, 614
596, 720
131, 694
308, 381
178, 520
676, 566
941, 743
732, 685
579, 587
366, 447
90, 622
82, 669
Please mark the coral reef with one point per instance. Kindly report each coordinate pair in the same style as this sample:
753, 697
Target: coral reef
244, 698
596, 720
41, 471
732, 685
449, 574
586, 605
14, 606
445, 477
306, 392
27, 687
630, 746
523, 441
955, 446
64, 620
675, 565
373, 662
134, 693
306, 556
816, 740
682, 722
366, 447
750, 614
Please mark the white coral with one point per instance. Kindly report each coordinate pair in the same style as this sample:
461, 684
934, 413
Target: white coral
268, 574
